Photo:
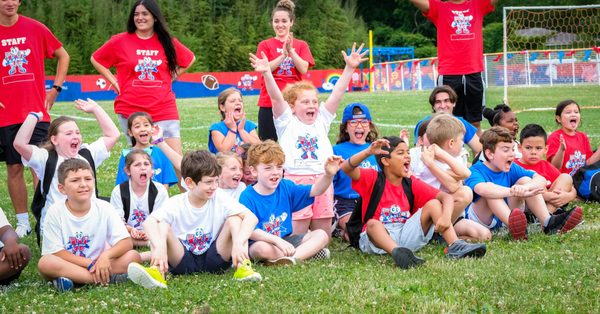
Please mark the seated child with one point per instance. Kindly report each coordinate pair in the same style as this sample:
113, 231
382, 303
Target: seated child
441, 165
201, 230
14, 256
137, 197
273, 199
230, 179
233, 130
559, 186
501, 188
395, 228
140, 129
84, 240
247, 178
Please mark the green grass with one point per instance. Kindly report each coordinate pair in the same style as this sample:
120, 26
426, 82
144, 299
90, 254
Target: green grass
544, 274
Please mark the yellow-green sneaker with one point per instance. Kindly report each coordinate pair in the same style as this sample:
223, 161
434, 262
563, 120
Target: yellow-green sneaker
147, 277
245, 272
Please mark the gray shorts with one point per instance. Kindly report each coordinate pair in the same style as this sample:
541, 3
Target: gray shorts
409, 235
171, 128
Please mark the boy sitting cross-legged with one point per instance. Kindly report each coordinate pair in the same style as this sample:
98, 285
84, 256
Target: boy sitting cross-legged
14, 256
502, 188
202, 230
273, 200
84, 240
397, 228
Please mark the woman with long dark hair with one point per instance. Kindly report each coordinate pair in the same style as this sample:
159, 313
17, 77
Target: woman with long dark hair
147, 60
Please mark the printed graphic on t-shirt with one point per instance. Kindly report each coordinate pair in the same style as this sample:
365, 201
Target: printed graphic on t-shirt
146, 68
393, 214
273, 226
462, 25
137, 218
16, 59
366, 164
285, 67
197, 243
576, 161
78, 244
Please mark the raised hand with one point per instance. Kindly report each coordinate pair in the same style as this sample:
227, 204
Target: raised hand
376, 147
333, 164
356, 57
260, 64
428, 154
563, 143
230, 121
87, 106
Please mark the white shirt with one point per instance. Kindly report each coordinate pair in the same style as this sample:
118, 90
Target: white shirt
235, 193
86, 236
3, 222
421, 171
39, 157
306, 147
138, 206
197, 228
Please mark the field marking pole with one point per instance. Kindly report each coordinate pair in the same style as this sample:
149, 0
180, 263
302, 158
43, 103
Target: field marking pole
598, 66
504, 57
371, 69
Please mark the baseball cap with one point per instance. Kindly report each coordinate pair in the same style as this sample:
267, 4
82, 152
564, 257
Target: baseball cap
350, 108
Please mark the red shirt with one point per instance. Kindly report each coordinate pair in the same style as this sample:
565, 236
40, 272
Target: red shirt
143, 74
393, 207
286, 72
577, 152
543, 168
23, 48
459, 34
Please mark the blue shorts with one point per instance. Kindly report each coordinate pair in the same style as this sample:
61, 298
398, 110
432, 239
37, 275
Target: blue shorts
344, 206
207, 262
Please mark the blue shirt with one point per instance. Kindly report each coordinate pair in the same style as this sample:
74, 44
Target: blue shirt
274, 212
223, 129
480, 173
342, 184
164, 172
469, 128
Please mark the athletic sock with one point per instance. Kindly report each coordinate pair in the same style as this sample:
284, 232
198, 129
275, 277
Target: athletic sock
547, 220
23, 219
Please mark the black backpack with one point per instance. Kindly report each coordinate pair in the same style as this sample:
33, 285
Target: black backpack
126, 197
587, 182
356, 222
39, 197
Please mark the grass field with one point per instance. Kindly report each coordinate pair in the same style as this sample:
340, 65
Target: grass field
545, 274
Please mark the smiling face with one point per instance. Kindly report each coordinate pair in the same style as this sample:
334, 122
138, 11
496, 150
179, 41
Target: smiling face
67, 140
533, 149
306, 106
268, 177
281, 24
569, 118
143, 19
233, 103
201, 191
501, 158
9, 8
141, 131
78, 186
231, 174
140, 170
248, 177
358, 129
443, 103
398, 162
509, 120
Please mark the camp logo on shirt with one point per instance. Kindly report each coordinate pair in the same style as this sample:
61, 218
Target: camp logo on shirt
138, 217
15, 59
146, 67
462, 24
197, 243
576, 161
393, 214
78, 244
273, 226
308, 145
285, 66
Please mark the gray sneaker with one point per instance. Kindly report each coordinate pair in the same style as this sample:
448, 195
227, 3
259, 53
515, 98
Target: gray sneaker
460, 249
118, 278
405, 258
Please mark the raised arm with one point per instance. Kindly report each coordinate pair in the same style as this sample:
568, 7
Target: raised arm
107, 75
21, 143
62, 67
262, 65
174, 156
332, 166
475, 145
350, 165
110, 132
352, 61
423, 5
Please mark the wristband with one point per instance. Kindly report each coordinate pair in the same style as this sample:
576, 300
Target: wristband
350, 162
91, 265
232, 131
36, 115
158, 141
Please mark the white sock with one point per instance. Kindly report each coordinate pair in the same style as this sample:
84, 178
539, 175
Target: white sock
23, 219
547, 220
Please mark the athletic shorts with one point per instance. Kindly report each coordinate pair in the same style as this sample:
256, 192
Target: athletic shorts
208, 262
266, 125
7, 137
323, 205
344, 206
470, 91
171, 128
471, 215
409, 235
293, 239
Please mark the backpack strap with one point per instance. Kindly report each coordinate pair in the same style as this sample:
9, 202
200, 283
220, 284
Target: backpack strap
87, 155
407, 186
125, 198
375, 196
49, 171
152, 193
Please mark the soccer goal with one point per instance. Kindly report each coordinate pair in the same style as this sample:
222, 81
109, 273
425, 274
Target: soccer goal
551, 45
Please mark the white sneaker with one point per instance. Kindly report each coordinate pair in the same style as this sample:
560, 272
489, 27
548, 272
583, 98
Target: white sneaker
22, 230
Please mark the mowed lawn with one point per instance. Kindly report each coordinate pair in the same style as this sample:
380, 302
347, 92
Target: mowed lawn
559, 273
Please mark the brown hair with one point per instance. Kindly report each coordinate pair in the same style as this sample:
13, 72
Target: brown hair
72, 164
131, 156
130, 122
443, 127
343, 136
442, 89
561, 107
291, 91
198, 164
223, 97
491, 137
264, 153
53, 130
287, 6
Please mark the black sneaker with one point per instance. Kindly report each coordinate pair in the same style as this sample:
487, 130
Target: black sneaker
564, 222
405, 258
461, 249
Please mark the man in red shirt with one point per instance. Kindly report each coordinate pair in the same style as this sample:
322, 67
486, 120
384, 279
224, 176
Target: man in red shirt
24, 44
459, 26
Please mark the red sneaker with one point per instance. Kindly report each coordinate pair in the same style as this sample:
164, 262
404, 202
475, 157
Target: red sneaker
573, 219
517, 225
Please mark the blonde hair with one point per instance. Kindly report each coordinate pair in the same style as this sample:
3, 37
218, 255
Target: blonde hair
265, 153
443, 127
222, 157
223, 97
291, 91
287, 6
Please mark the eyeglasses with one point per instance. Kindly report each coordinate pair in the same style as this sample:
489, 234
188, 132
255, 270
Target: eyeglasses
363, 122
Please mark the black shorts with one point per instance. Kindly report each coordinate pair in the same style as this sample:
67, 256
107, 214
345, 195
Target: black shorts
208, 262
470, 91
7, 137
266, 125
344, 206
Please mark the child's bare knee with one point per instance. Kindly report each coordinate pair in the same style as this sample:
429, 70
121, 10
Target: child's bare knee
464, 195
523, 180
484, 235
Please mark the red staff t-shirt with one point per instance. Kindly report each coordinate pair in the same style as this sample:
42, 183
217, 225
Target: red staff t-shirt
143, 74
459, 34
23, 48
286, 72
